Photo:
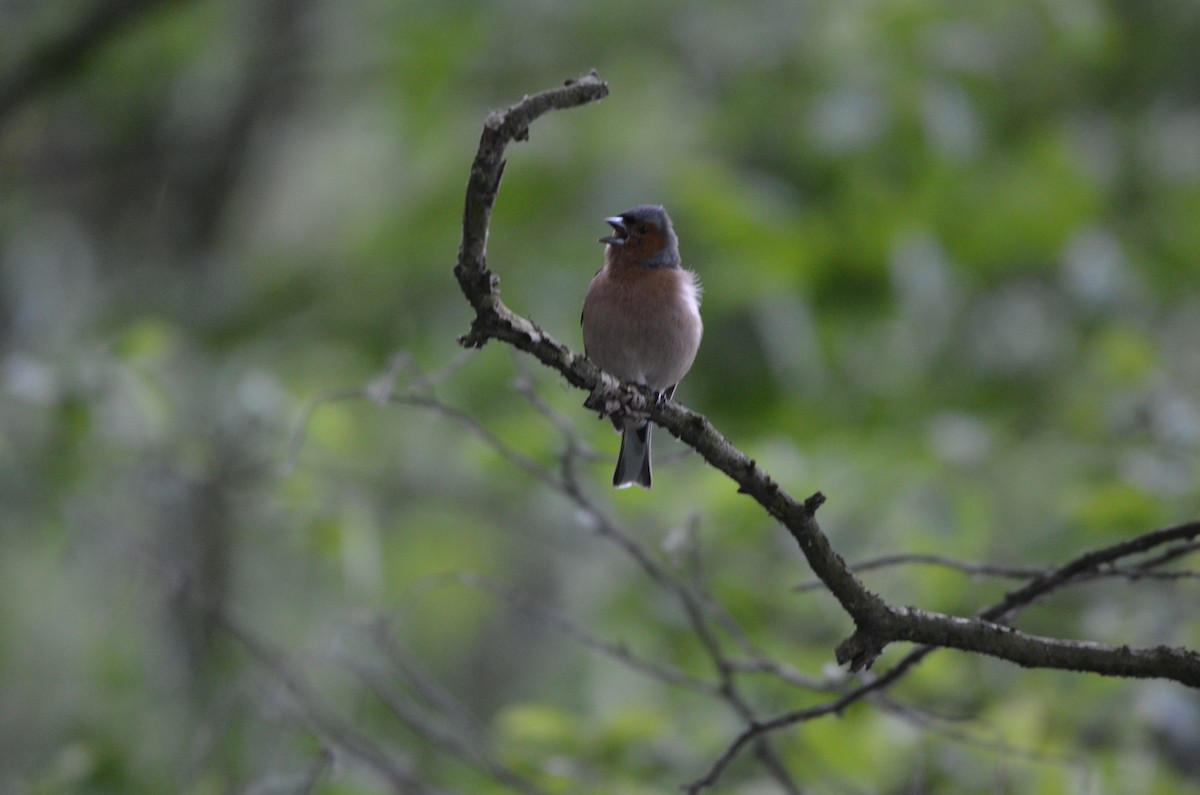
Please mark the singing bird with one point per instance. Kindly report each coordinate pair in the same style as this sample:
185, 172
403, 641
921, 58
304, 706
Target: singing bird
641, 322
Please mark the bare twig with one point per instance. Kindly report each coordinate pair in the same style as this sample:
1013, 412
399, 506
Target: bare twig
333, 731
952, 729
1144, 570
1095, 561
615, 651
1004, 610
833, 707
965, 567
450, 739
421, 683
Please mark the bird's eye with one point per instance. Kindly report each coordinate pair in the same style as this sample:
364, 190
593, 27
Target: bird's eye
642, 229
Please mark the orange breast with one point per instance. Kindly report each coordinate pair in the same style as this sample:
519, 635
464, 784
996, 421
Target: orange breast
642, 324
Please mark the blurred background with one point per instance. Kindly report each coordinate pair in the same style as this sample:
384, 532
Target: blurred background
951, 257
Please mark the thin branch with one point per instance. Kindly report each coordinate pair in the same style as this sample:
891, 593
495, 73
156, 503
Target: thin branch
1094, 561
300, 434
1147, 569
965, 567
614, 651
478, 429
834, 707
421, 683
1144, 570
1004, 610
951, 729
449, 740
760, 664
694, 606
303, 783
398, 772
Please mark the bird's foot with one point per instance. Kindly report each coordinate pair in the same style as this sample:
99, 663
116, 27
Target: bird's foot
617, 401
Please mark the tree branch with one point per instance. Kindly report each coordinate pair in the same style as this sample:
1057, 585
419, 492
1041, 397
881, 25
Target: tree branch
1086, 566
877, 622
399, 772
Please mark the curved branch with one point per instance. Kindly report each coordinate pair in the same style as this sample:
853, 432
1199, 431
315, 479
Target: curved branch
479, 285
877, 622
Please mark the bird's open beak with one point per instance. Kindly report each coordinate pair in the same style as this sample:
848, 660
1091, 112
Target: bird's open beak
620, 231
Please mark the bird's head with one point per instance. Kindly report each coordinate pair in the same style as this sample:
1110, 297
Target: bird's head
642, 236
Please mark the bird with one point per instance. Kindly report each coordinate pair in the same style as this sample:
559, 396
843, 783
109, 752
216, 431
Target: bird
641, 322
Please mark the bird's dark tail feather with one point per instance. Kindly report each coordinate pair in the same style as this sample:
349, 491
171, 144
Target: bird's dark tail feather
633, 464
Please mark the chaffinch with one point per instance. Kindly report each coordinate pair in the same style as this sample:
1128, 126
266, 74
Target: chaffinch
641, 322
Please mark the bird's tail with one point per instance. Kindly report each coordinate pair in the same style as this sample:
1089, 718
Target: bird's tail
633, 464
